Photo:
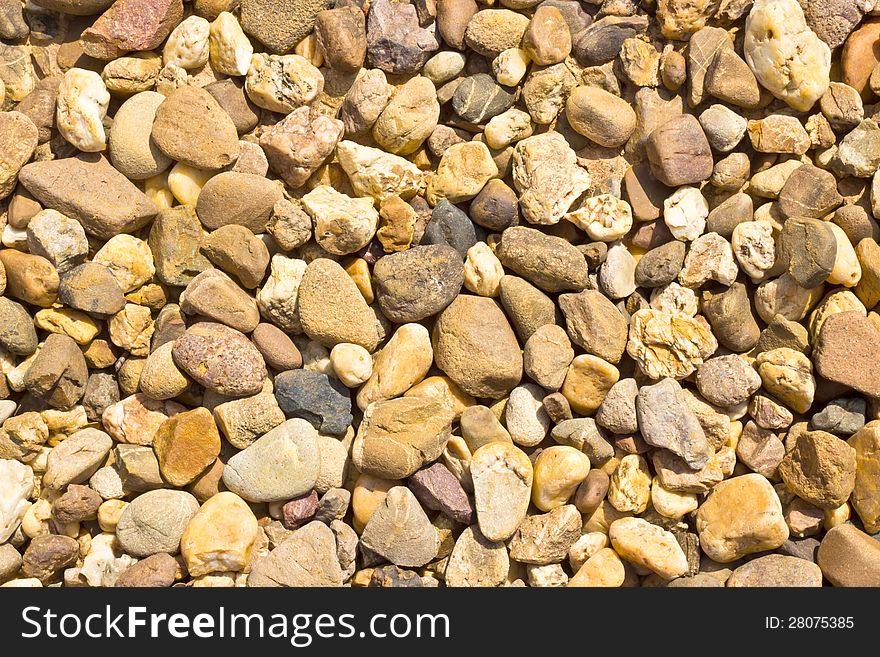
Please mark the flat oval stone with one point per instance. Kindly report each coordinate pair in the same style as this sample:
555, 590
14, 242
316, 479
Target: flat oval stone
244, 199
221, 359
87, 188
418, 282
191, 127
154, 522
281, 465
502, 476
476, 347
776, 570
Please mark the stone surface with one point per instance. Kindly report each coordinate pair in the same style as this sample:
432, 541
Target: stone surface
155, 521
398, 436
742, 516
476, 347
400, 531
220, 358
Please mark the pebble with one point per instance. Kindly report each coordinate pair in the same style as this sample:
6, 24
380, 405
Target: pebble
87, 188
18, 483
211, 142
849, 557
399, 530
296, 146
476, 561
409, 117
437, 489
601, 116
17, 334
156, 571
76, 458
742, 516
844, 351
666, 345
547, 192
545, 260
47, 556
399, 436
306, 558
220, 537
154, 522
804, 78
316, 398
679, 152
475, 346
547, 355
665, 420
648, 546
130, 25
282, 464
820, 469
777, 570
221, 359
58, 373
501, 471
332, 310
186, 444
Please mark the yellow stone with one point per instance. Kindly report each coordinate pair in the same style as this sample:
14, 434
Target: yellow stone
220, 537
650, 546
186, 444
588, 380
559, 470
444, 388
630, 488
603, 569
866, 494
369, 493
67, 321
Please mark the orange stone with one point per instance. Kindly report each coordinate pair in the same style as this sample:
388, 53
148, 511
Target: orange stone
860, 55
186, 444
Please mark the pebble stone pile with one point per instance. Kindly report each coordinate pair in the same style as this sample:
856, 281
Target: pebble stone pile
439, 293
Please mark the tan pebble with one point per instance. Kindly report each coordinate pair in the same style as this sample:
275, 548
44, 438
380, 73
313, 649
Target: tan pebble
352, 363
603, 569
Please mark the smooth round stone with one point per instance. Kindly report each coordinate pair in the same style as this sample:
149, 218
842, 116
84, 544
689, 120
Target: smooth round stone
476, 347
155, 521
221, 359
281, 465
418, 282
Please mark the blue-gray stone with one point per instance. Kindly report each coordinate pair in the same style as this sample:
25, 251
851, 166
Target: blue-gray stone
324, 402
450, 225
